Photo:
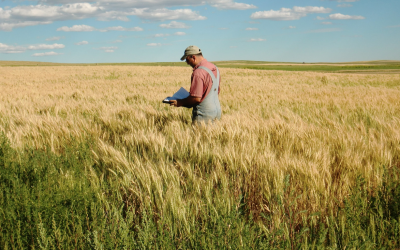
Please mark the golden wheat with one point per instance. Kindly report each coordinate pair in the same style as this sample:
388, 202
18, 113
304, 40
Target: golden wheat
325, 130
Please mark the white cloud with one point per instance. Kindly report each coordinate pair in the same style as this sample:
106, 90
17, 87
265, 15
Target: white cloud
324, 30
54, 38
11, 49
77, 28
3, 46
286, 14
174, 25
179, 33
167, 14
320, 18
49, 11
109, 50
62, 12
40, 12
257, 40
339, 16
152, 14
344, 5
80, 8
292, 27
231, 5
46, 46
154, 44
82, 28
120, 28
111, 15
82, 43
220, 4
251, 28
13, 52
8, 49
161, 35
52, 53
145, 3
30, 15
8, 26
311, 9
327, 23
283, 14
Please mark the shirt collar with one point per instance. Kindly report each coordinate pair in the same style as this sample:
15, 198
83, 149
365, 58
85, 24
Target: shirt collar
200, 64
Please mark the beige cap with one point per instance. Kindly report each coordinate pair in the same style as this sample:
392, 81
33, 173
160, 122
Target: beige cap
191, 50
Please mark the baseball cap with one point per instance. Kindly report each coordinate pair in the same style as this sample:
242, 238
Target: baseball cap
191, 50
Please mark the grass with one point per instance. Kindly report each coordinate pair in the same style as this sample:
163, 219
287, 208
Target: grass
90, 158
53, 202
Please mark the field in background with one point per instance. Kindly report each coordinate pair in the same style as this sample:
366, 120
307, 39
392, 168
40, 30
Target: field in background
367, 67
90, 157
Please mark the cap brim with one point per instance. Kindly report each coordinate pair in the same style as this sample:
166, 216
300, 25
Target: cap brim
183, 57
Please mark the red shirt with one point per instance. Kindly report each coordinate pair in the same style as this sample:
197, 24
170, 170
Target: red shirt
202, 81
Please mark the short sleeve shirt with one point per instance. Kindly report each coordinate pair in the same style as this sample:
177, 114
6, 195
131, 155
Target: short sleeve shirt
202, 81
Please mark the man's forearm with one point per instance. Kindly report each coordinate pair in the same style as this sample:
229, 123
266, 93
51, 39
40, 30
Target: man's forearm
189, 101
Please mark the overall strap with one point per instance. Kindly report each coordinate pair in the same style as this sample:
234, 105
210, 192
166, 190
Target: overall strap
214, 79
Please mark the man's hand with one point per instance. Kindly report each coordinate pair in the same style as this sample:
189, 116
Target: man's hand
173, 103
188, 102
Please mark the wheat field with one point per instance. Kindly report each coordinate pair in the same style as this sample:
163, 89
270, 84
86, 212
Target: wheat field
314, 134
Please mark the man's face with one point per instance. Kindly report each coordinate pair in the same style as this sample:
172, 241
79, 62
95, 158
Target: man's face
191, 60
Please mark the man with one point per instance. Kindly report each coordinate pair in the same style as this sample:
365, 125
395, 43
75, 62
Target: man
204, 88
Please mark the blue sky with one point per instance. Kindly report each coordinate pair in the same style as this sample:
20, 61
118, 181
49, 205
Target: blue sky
76, 31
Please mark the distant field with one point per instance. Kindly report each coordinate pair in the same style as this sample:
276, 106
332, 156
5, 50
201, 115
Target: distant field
369, 67
90, 158
350, 67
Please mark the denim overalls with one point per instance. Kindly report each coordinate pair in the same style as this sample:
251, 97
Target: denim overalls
209, 109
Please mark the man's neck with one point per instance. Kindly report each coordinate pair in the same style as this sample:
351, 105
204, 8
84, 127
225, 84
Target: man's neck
198, 63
